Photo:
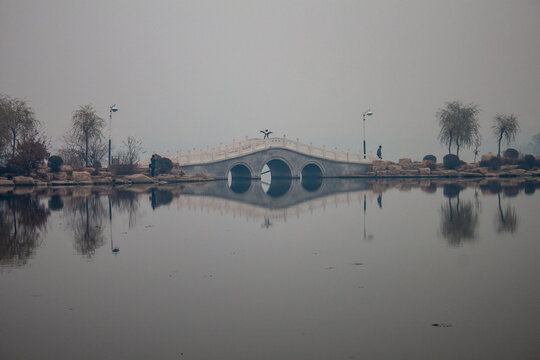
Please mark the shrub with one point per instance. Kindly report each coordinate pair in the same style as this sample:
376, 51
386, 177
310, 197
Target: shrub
123, 169
529, 160
55, 162
163, 165
494, 163
31, 151
511, 153
430, 158
450, 162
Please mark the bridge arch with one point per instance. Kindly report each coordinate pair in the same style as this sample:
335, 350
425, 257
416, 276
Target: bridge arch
312, 169
240, 170
279, 167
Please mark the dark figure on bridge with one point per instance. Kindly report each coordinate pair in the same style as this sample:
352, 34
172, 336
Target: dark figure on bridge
266, 133
379, 152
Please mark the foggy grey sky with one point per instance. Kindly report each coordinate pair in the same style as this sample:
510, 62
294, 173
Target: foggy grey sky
186, 74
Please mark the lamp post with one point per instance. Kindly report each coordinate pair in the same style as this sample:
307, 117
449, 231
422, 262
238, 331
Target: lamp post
112, 109
368, 112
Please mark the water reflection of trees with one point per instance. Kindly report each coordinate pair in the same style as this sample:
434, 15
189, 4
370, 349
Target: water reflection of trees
459, 219
23, 220
86, 216
126, 202
506, 219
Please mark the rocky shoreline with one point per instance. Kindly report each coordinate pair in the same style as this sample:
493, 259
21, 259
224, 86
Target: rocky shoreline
380, 169
67, 176
405, 168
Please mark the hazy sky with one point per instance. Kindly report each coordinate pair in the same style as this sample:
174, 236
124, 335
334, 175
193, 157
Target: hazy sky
186, 74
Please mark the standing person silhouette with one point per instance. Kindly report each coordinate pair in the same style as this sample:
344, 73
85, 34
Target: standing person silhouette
266, 133
379, 152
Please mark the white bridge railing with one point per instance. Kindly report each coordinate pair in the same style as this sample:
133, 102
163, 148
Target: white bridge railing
249, 146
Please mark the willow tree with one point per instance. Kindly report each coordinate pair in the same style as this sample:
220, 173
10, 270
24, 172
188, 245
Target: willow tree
459, 125
505, 127
16, 119
85, 138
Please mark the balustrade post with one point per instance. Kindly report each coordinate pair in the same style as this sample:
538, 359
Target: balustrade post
324, 151
284, 140
348, 150
297, 144
335, 153
310, 148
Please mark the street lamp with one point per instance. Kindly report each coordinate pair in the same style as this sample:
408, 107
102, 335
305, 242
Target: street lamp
368, 112
112, 109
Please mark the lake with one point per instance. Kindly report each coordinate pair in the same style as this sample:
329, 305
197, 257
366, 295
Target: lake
290, 269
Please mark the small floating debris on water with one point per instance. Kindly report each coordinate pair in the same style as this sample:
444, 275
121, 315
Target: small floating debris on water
115, 250
358, 263
148, 226
329, 268
441, 325
123, 232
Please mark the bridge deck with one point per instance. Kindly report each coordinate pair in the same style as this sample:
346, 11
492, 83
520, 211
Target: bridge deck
249, 146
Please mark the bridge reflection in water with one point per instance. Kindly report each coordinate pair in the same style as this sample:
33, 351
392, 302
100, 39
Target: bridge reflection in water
281, 198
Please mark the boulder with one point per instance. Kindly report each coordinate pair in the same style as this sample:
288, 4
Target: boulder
139, 179
61, 182
404, 161
80, 176
394, 168
487, 157
102, 180
23, 180
425, 170
6, 182
166, 177
60, 176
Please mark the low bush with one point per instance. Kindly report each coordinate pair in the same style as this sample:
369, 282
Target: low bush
528, 162
430, 158
123, 169
163, 165
494, 163
451, 162
511, 153
55, 162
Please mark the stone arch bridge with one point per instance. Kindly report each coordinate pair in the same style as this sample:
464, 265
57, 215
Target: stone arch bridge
285, 159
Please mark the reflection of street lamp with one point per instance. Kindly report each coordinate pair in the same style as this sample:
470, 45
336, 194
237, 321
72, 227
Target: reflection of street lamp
111, 110
114, 249
368, 112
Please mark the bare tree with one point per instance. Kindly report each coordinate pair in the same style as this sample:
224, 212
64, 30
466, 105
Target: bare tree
505, 127
16, 119
459, 125
132, 148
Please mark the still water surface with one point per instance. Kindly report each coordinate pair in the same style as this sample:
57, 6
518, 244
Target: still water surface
334, 269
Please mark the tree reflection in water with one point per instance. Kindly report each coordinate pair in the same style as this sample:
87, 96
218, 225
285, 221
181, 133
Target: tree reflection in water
507, 219
23, 220
126, 202
86, 216
459, 219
